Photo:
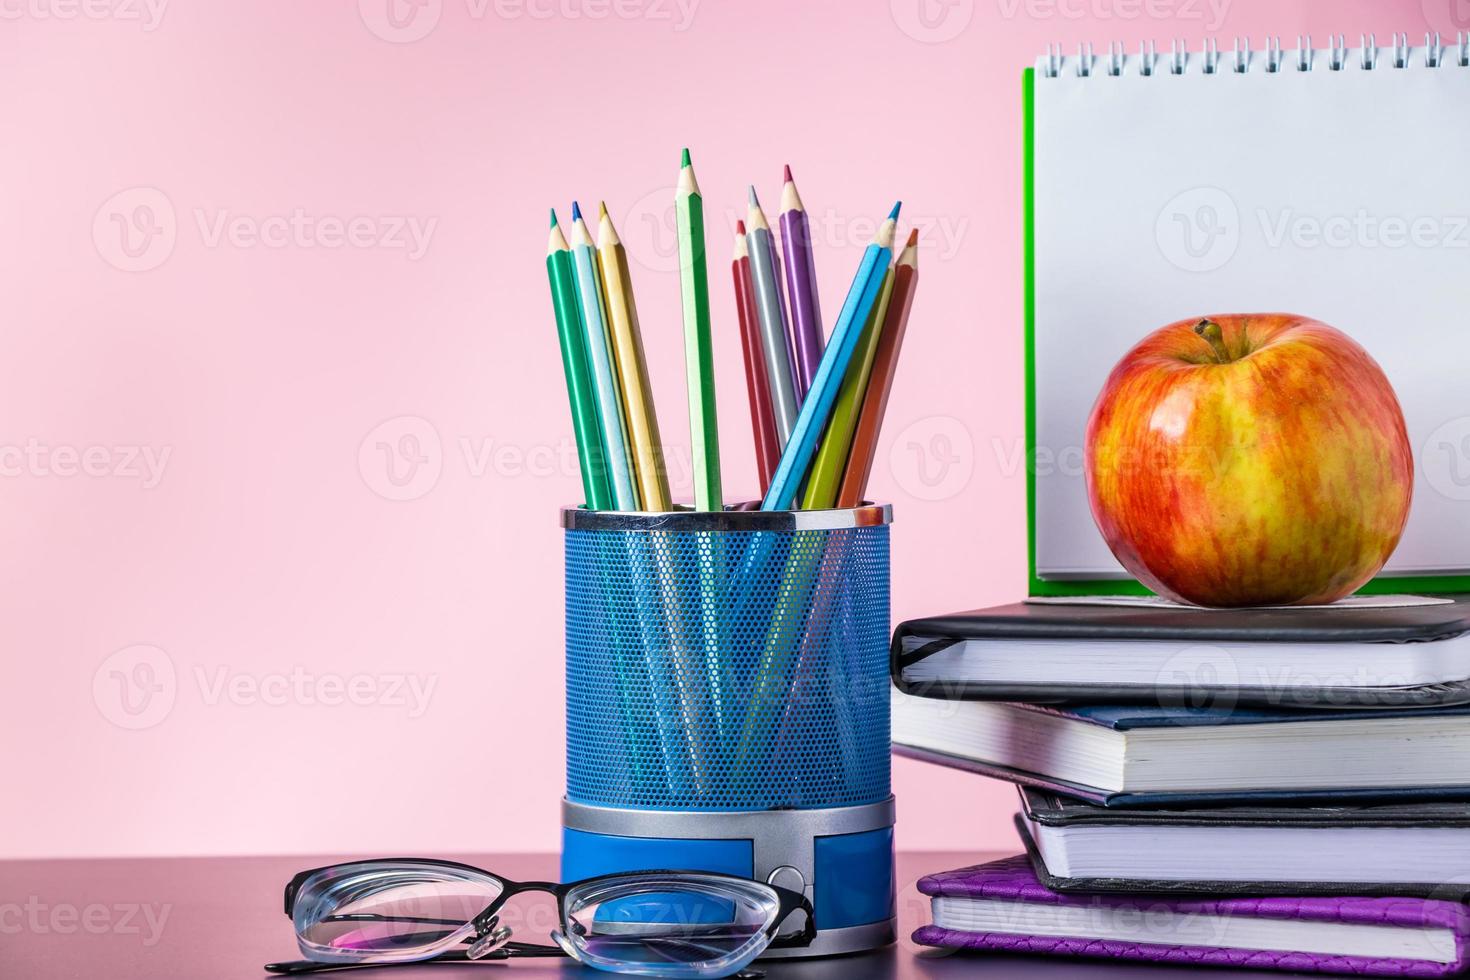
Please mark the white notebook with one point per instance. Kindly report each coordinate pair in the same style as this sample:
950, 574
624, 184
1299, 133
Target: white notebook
1333, 183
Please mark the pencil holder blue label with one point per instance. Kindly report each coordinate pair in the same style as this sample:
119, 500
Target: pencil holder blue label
727, 662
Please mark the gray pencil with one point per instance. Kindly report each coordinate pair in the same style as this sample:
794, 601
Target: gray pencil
772, 316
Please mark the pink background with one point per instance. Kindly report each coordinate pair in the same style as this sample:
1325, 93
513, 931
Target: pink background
267, 461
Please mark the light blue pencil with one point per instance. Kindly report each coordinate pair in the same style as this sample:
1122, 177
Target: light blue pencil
796, 459
599, 357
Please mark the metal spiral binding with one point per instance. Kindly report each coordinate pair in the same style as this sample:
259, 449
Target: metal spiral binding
1436, 54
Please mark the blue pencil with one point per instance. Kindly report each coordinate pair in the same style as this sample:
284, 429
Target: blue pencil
599, 357
816, 409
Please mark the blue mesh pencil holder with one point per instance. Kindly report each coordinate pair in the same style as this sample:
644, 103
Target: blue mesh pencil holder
727, 704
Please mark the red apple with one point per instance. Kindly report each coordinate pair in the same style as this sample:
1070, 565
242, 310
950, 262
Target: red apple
1249, 459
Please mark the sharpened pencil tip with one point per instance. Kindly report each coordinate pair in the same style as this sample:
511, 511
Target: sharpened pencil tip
786, 174
913, 238
893, 215
553, 217
684, 158
755, 202
739, 227
576, 211
602, 209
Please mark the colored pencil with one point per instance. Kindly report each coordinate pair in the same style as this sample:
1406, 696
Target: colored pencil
762, 421
780, 373
627, 340
880, 382
604, 376
831, 459
580, 392
801, 285
699, 358
796, 458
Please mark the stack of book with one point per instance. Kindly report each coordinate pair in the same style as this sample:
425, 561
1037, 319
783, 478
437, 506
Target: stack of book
1262, 788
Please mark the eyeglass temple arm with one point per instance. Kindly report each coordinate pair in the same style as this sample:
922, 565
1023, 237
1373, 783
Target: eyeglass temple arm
508, 951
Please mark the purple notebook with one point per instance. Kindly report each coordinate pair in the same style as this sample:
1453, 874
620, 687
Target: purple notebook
1002, 907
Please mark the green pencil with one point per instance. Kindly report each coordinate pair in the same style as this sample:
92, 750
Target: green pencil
574, 363
699, 358
831, 461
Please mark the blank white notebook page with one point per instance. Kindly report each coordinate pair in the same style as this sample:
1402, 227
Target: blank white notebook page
1341, 195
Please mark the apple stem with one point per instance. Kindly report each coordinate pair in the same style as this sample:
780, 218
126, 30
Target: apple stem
1210, 331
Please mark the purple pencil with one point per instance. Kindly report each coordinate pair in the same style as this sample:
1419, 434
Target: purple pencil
801, 286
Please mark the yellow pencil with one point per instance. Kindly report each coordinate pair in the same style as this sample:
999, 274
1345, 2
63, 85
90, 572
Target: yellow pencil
622, 320
831, 461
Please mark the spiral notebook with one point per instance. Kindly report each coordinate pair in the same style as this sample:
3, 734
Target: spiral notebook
1170, 184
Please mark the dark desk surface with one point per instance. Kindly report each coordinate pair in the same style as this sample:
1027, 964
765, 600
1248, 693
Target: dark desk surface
221, 919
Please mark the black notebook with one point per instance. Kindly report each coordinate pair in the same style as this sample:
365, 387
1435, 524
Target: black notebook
1414, 849
1327, 656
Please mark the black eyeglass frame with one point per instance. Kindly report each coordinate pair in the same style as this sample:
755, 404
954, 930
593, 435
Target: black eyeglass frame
484, 923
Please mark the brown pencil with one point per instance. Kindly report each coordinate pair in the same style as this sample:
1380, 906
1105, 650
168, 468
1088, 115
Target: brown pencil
880, 382
762, 417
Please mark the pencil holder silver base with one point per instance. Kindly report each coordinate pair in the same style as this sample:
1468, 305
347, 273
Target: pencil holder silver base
841, 859
728, 705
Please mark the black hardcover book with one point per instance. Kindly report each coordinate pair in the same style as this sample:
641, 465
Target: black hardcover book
1410, 849
1338, 656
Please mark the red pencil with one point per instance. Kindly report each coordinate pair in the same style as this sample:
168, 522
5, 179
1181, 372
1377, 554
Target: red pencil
758, 386
880, 382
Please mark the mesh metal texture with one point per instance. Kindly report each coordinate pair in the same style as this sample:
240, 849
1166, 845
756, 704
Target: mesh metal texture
727, 670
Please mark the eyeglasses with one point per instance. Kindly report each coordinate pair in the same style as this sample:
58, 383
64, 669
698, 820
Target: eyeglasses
652, 923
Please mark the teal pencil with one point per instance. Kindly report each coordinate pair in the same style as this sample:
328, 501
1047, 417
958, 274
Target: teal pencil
599, 358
